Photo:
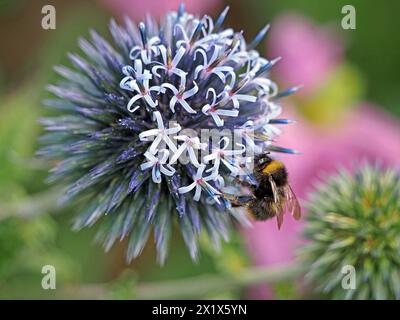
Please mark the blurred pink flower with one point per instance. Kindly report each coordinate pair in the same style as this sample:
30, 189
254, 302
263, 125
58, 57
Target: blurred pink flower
365, 134
137, 9
308, 52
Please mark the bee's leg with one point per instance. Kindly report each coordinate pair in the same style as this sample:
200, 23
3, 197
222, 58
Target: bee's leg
243, 183
238, 201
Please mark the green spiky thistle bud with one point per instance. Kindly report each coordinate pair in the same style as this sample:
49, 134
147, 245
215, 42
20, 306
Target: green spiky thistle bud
354, 220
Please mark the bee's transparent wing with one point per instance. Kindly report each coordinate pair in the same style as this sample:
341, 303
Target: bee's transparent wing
274, 189
292, 203
279, 219
275, 192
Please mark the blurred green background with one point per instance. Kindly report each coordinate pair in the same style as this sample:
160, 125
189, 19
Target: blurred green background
33, 232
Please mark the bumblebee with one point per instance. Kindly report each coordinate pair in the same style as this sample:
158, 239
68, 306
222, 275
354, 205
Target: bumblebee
271, 193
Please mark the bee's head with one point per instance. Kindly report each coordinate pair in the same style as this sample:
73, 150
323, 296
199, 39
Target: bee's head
261, 160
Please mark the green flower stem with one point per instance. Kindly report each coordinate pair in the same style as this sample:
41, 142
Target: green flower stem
32, 206
194, 287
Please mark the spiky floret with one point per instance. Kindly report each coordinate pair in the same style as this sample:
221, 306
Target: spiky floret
119, 134
354, 219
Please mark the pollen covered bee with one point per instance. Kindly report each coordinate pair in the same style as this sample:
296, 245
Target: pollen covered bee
271, 195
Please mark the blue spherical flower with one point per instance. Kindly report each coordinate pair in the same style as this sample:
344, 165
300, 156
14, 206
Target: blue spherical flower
154, 128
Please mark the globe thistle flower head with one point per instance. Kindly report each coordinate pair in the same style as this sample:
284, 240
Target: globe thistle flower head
129, 132
354, 220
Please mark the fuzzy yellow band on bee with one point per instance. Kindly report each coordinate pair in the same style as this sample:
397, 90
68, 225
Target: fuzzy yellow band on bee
273, 166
